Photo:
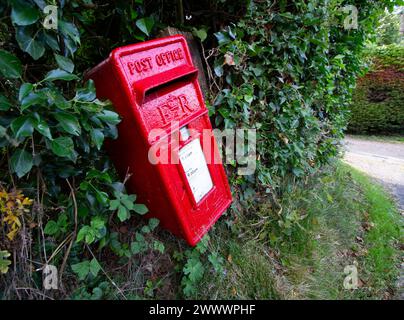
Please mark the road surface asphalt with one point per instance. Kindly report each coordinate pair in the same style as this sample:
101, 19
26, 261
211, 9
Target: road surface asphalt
383, 161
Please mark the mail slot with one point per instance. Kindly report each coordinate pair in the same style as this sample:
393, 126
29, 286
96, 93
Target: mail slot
154, 87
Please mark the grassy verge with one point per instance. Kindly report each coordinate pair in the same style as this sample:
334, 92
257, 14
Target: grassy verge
385, 233
341, 219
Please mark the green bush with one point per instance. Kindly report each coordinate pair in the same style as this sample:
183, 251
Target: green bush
378, 100
388, 31
381, 57
289, 72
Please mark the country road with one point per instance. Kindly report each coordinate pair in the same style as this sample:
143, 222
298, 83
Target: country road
383, 161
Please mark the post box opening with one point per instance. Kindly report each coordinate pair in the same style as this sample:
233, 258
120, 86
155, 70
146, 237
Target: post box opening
170, 78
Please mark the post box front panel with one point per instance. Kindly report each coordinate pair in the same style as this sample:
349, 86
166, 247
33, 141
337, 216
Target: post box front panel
177, 102
202, 202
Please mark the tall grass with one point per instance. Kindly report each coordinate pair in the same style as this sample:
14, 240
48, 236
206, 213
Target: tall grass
342, 218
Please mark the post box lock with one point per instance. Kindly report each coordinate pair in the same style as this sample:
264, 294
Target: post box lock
154, 87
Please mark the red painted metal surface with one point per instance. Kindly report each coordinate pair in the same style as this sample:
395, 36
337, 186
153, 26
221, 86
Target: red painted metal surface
154, 87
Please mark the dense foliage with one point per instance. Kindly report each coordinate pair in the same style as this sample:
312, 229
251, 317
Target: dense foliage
291, 75
388, 31
378, 100
284, 68
385, 57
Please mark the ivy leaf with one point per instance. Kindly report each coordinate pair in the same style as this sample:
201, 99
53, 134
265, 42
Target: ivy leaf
32, 98
59, 74
10, 65
21, 162
22, 127
63, 147
97, 293
87, 93
140, 208
28, 43
70, 46
51, 41
42, 127
69, 30
5, 105
248, 98
51, 228
24, 90
258, 71
145, 25
97, 137
69, 123
222, 38
59, 100
100, 175
102, 197
200, 33
64, 63
109, 117
24, 14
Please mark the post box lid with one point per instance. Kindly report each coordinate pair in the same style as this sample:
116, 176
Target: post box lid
153, 63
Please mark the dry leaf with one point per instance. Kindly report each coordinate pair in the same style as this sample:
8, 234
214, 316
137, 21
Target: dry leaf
229, 59
229, 258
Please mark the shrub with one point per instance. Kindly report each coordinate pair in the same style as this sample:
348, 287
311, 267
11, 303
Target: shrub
288, 70
378, 100
381, 57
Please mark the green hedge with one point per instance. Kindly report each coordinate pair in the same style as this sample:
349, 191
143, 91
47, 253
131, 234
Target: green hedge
291, 77
382, 57
378, 100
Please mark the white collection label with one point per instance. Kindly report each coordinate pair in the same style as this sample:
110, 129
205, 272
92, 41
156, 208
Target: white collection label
196, 170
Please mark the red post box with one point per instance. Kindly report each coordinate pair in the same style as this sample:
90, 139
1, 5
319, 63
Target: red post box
154, 87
